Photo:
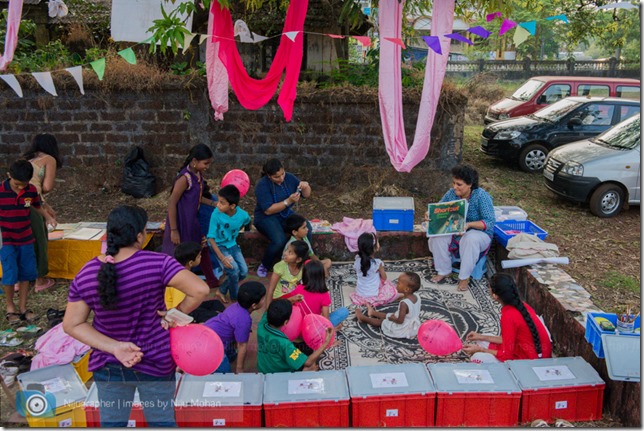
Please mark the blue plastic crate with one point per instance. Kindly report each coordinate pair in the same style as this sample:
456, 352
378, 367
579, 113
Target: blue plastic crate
502, 230
594, 332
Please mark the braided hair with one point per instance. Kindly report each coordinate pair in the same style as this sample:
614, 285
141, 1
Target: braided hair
124, 223
198, 152
503, 286
366, 248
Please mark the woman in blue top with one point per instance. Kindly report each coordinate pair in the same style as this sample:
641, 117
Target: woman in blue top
479, 228
276, 192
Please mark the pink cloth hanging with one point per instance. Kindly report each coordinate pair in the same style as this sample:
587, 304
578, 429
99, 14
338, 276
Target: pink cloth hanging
351, 229
390, 83
254, 93
11, 38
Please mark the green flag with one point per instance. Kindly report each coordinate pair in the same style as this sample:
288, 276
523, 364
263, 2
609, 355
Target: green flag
128, 55
520, 35
99, 67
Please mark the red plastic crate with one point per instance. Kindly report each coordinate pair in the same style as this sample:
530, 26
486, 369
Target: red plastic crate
323, 414
575, 404
394, 411
228, 416
485, 409
93, 417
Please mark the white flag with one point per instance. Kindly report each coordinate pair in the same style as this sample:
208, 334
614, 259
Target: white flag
45, 81
77, 74
13, 83
202, 37
291, 35
187, 39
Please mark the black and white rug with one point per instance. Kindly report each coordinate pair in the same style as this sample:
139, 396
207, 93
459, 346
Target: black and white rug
362, 344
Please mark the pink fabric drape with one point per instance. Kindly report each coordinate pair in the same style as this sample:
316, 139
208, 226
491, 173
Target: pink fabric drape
11, 38
254, 93
351, 229
390, 85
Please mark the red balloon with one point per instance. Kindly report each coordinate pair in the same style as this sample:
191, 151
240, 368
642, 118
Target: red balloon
314, 330
196, 349
438, 338
237, 178
293, 327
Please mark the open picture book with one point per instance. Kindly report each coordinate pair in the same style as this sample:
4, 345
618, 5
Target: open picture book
447, 218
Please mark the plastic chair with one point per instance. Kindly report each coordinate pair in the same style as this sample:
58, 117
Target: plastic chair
479, 269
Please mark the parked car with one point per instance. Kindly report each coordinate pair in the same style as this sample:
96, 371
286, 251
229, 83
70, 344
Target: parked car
541, 91
528, 139
603, 171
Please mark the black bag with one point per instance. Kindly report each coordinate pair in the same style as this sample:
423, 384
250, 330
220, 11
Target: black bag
137, 179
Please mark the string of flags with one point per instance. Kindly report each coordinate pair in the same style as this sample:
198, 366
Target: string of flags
523, 31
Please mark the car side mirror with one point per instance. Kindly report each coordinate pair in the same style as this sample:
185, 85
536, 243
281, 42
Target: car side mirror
575, 122
541, 100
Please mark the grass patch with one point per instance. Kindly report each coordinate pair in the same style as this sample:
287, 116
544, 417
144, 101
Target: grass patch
617, 280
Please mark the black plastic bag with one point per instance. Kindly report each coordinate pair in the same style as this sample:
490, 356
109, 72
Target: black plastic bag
137, 179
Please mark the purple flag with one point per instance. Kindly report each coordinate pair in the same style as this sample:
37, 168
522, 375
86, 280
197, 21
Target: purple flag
460, 37
479, 31
434, 43
507, 25
489, 17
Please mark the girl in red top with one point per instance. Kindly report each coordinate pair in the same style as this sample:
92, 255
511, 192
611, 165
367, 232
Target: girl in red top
523, 335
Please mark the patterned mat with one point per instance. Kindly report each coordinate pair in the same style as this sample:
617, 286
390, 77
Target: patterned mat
362, 344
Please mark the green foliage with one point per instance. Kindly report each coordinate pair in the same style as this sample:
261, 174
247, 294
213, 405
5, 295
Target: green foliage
180, 68
51, 57
25, 32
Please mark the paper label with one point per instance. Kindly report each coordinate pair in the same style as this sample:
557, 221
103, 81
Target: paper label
219, 422
54, 385
554, 372
131, 423
222, 389
308, 386
473, 376
65, 423
391, 413
388, 380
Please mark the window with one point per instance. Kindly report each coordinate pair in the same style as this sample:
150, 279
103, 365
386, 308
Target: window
597, 114
555, 93
593, 90
628, 92
628, 111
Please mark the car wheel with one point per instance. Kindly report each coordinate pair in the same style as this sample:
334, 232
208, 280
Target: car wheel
607, 200
533, 158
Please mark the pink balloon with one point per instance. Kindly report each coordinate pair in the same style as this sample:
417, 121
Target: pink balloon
438, 338
314, 330
293, 327
196, 349
237, 178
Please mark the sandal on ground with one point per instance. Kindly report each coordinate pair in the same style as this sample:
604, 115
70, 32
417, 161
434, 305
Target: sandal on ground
10, 341
46, 285
539, 423
460, 289
28, 316
562, 423
13, 318
29, 331
437, 280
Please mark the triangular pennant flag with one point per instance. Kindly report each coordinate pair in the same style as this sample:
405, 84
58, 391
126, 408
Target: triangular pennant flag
520, 35
561, 17
99, 67
202, 37
459, 37
45, 81
489, 17
434, 43
397, 41
364, 40
479, 31
335, 36
531, 26
291, 35
187, 38
77, 74
13, 83
128, 55
507, 25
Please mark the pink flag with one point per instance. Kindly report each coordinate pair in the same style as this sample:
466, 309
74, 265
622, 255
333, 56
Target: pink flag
489, 17
507, 25
364, 40
396, 40
434, 43
335, 36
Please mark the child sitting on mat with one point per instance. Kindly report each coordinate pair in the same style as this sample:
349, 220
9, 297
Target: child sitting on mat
405, 322
372, 285
287, 273
298, 229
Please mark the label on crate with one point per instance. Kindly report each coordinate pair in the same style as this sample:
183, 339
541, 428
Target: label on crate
65, 423
473, 376
388, 380
553, 372
54, 385
561, 405
219, 422
308, 386
391, 413
131, 423
222, 389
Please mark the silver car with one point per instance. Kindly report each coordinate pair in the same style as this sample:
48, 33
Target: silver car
603, 171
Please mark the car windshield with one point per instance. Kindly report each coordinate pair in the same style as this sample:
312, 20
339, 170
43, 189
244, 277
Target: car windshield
527, 90
557, 110
625, 135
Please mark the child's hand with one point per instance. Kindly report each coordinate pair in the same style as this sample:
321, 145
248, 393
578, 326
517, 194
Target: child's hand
470, 349
473, 336
51, 221
329, 334
227, 261
426, 215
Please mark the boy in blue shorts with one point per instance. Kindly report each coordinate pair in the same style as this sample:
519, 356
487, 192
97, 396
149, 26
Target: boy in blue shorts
17, 254
226, 221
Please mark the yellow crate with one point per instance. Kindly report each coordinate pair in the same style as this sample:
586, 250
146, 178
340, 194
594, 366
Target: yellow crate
81, 367
69, 415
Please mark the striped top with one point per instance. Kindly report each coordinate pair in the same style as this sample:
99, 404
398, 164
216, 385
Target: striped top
142, 279
15, 222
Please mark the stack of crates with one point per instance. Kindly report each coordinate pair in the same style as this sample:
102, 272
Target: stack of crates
80, 364
93, 416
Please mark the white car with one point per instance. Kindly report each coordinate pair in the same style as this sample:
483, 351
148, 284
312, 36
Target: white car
603, 171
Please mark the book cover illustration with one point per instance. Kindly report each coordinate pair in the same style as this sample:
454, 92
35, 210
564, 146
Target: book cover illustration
446, 218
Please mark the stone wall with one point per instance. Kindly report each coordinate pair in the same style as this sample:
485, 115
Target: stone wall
335, 135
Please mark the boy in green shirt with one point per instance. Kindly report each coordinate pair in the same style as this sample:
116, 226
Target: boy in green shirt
275, 352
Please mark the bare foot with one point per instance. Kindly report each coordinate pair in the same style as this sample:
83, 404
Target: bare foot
221, 297
338, 327
370, 310
359, 314
463, 285
438, 279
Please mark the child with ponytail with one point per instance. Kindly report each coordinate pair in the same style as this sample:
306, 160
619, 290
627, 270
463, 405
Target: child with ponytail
372, 286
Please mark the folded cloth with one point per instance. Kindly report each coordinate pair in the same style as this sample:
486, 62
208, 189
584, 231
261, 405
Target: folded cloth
526, 246
55, 347
351, 229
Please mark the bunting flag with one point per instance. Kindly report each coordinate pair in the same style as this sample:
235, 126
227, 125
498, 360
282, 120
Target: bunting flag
187, 39
459, 37
531, 26
99, 67
240, 28
364, 40
202, 37
291, 35
13, 83
45, 81
520, 35
335, 36
479, 31
434, 43
561, 17
77, 74
397, 41
507, 25
489, 17
128, 55
618, 5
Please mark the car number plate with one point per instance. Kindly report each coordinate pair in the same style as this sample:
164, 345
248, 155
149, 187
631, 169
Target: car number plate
549, 175
483, 142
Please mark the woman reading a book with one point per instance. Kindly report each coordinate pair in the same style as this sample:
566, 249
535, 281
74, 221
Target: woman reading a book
479, 227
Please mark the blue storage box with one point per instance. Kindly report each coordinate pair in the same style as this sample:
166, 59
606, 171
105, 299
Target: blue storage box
594, 332
393, 213
504, 230
622, 357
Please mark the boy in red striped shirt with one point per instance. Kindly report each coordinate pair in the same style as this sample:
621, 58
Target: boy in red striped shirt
17, 254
